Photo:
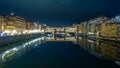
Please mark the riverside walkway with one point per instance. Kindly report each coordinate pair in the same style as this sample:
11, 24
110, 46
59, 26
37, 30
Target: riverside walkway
4, 40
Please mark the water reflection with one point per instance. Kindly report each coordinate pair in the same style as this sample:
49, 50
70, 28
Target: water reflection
16, 50
54, 38
99, 48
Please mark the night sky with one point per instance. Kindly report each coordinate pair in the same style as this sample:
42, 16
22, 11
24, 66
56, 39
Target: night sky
60, 12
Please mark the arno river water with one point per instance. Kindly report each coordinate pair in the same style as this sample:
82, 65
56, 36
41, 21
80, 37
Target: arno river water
67, 52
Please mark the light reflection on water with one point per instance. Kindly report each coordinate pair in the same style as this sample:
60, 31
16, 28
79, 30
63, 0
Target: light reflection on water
99, 48
16, 50
102, 49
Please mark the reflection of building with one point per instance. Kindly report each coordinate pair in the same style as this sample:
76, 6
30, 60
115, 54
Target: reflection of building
15, 50
83, 43
104, 49
110, 51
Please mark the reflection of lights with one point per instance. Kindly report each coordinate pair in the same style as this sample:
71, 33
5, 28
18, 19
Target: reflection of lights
36, 45
33, 41
30, 42
117, 62
7, 51
15, 49
3, 55
20, 47
26, 44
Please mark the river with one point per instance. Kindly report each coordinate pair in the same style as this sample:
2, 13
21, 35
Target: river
67, 52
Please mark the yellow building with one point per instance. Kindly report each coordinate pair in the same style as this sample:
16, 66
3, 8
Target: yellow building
16, 25
74, 27
28, 25
99, 30
0, 23
8, 26
113, 30
84, 27
91, 28
13, 24
110, 29
80, 28
105, 28
20, 25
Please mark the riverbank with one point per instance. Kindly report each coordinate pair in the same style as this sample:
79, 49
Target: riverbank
12, 39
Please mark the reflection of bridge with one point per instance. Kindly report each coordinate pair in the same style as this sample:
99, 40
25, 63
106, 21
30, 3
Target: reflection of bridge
72, 39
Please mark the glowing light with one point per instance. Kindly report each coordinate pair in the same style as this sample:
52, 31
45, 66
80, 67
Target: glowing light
15, 49
7, 51
7, 31
90, 33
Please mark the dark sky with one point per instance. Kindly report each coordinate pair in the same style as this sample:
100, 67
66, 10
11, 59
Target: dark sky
60, 12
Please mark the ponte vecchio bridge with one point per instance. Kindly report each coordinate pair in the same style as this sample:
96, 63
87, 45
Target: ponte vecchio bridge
62, 30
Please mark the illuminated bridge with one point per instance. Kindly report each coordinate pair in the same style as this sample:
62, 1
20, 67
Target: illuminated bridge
64, 30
